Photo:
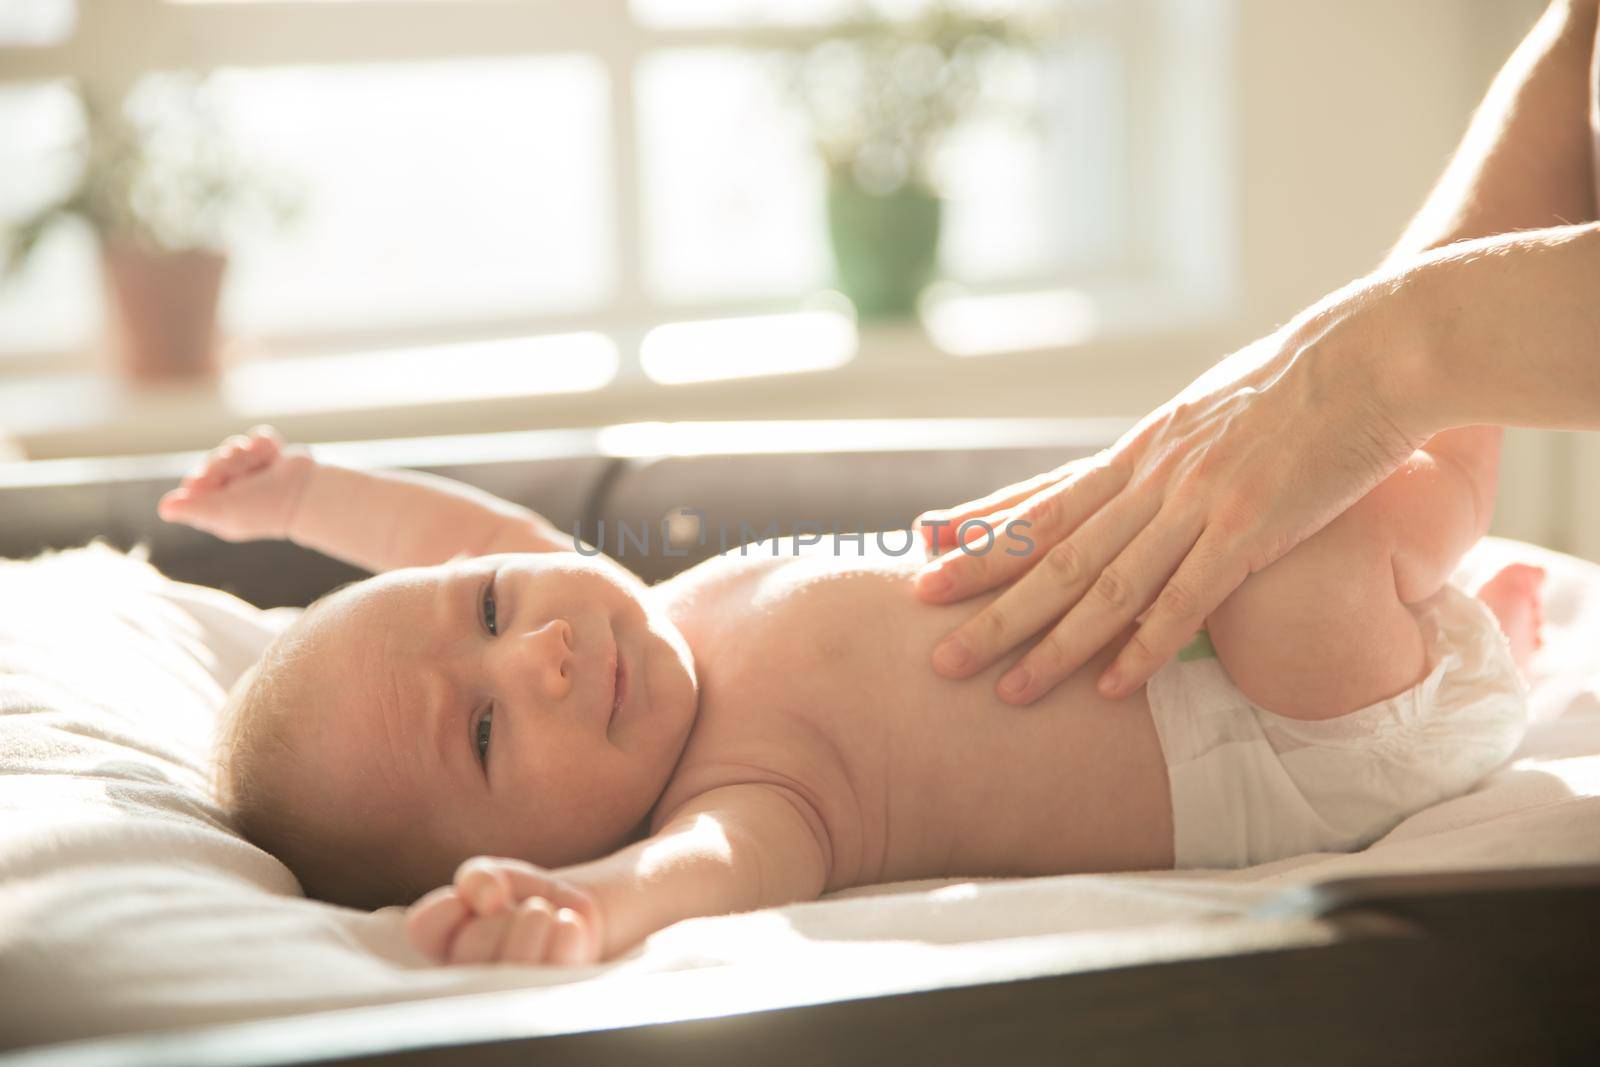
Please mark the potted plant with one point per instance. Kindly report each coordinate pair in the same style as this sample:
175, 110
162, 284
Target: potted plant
879, 94
162, 194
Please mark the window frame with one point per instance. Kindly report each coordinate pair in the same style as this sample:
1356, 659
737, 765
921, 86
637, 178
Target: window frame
1173, 258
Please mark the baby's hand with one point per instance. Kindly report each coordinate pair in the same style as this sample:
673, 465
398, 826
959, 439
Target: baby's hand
506, 911
247, 488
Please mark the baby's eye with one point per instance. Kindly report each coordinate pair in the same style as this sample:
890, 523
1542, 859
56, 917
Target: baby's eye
480, 734
490, 622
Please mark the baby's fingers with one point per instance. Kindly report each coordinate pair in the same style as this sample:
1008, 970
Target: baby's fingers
239, 455
174, 504
532, 923
483, 883
432, 922
479, 939
573, 940
204, 509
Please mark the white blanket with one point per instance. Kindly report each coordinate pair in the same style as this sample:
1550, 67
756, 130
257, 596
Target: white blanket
127, 904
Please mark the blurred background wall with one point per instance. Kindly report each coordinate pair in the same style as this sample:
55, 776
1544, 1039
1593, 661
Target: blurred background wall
512, 215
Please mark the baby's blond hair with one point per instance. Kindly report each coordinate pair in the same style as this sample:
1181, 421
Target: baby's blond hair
259, 779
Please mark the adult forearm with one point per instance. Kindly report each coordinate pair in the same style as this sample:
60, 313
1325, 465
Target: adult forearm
1502, 330
1526, 161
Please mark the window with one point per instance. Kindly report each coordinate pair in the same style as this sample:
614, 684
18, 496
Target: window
448, 193
472, 171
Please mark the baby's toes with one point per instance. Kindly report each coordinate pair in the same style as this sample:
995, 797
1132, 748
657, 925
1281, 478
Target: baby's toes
1525, 578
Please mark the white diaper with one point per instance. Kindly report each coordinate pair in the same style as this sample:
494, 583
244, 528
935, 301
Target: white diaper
1249, 786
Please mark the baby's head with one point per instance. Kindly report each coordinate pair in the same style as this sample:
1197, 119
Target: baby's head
527, 705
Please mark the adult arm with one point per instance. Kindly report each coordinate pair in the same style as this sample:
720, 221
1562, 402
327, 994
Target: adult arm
1272, 443
1526, 161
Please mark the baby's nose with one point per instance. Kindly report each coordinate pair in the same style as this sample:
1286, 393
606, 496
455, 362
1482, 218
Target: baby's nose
544, 655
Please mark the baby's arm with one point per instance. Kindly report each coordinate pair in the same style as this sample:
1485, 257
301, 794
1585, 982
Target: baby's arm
1325, 630
254, 486
736, 848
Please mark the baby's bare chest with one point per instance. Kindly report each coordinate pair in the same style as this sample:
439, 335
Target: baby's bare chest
804, 678
818, 680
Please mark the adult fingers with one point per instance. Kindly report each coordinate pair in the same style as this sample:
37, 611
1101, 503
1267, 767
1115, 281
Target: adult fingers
1036, 525
1207, 576
1042, 595
432, 922
1118, 594
938, 526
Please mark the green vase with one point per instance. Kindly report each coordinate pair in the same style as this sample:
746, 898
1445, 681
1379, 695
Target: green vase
884, 246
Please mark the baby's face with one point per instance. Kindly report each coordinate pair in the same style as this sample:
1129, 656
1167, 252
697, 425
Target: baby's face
529, 705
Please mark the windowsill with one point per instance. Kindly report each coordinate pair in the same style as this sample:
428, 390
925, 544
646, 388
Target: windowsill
1044, 355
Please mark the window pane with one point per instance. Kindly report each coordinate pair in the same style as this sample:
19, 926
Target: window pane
1034, 181
719, 349
733, 197
694, 14
432, 193
531, 366
36, 23
687, 14
997, 211
54, 303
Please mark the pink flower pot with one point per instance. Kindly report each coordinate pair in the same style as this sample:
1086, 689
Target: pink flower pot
162, 310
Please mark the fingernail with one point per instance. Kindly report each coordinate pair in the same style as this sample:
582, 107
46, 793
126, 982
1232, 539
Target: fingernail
951, 655
933, 583
1110, 683
1013, 684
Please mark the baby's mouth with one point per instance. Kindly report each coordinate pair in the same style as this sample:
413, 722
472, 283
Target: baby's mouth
619, 688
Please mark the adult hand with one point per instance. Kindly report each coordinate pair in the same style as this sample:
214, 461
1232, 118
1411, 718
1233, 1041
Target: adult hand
1256, 455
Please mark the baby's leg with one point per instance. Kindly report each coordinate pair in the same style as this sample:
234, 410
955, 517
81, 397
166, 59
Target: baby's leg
1325, 630
1513, 596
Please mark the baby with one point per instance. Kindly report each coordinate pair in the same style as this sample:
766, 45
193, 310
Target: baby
578, 760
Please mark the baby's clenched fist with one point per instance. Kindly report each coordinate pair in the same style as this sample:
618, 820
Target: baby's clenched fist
505, 911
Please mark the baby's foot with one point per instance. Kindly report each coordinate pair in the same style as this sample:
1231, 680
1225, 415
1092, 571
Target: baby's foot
1513, 596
